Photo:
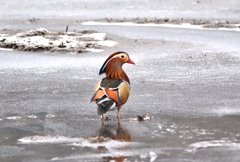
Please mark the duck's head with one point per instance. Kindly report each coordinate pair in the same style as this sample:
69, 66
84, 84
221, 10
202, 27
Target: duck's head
116, 59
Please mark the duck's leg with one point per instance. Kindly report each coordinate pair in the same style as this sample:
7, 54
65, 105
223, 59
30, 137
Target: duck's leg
118, 112
102, 118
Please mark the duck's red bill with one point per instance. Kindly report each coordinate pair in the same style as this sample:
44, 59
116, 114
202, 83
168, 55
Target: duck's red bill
130, 61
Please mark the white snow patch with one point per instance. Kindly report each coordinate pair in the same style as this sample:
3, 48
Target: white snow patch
50, 116
94, 50
6, 49
42, 39
183, 25
32, 116
107, 43
221, 111
14, 117
48, 140
213, 143
96, 36
153, 156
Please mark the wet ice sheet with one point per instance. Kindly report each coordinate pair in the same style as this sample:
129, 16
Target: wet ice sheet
93, 142
105, 146
44, 62
152, 140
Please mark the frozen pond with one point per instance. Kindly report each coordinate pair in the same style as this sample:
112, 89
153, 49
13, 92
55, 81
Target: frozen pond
185, 77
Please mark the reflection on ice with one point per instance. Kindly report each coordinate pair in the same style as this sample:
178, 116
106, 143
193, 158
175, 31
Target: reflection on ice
115, 132
111, 141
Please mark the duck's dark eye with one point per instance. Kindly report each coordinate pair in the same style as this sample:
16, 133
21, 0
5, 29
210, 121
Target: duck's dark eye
122, 56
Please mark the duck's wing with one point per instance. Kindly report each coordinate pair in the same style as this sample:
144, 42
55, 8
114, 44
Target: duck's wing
115, 89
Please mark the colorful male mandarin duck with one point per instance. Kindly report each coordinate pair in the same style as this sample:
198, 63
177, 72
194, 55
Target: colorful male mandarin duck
112, 91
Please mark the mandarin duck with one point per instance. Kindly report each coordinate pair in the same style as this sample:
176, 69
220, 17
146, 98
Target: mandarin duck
111, 92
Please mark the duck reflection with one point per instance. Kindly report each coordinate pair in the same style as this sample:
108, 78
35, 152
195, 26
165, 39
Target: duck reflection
116, 132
